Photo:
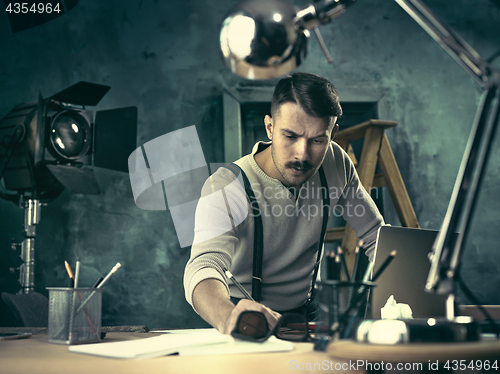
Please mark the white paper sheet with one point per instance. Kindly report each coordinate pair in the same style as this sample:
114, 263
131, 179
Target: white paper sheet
189, 343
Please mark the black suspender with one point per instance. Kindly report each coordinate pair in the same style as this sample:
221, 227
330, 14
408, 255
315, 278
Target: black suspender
258, 243
258, 247
326, 212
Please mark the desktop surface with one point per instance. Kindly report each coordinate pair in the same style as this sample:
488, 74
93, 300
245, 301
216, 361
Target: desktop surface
36, 355
485, 349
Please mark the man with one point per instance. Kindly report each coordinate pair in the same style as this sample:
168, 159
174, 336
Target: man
286, 178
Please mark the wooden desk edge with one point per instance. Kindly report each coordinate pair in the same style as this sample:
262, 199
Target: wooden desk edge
415, 352
37, 355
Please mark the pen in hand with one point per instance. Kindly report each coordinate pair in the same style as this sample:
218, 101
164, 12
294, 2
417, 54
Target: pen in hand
237, 284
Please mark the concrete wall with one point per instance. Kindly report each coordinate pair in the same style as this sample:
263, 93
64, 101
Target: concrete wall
162, 56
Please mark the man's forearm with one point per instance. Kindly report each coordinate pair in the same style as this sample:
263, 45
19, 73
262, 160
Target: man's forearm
212, 303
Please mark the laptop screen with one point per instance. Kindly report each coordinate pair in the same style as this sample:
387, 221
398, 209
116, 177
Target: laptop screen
406, 275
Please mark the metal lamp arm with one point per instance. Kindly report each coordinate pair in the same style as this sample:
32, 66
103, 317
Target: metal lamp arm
479, 69
447, 247
315, 15
453, 233
449, 40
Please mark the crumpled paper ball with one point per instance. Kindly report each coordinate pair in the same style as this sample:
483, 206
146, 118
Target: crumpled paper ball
394, 310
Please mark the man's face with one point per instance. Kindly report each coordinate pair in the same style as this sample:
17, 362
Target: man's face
299, 143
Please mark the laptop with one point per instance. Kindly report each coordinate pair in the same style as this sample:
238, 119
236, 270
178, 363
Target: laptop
406, 275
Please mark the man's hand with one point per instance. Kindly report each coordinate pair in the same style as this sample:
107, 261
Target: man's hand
272, 317
212, 303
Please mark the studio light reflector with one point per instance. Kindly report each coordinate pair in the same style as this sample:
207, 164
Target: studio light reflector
70, 135
63, 140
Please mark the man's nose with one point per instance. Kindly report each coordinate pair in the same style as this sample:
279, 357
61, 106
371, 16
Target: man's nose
302, 150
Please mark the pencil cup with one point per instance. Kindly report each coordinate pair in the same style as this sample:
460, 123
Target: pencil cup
342, 306
74, 315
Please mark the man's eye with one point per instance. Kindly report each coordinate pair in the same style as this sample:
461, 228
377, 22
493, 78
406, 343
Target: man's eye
318, 141
290, 136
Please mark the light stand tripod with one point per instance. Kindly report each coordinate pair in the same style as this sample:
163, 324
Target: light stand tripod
27, 268
31, 219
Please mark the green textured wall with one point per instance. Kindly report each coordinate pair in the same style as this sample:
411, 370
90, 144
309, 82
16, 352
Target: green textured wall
162, 56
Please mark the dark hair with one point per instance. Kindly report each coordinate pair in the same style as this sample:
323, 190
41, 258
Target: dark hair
316, 95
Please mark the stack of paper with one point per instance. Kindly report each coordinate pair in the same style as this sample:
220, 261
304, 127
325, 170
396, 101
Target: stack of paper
194, 343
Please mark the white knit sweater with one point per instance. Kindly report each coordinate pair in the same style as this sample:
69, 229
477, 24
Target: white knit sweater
224, 228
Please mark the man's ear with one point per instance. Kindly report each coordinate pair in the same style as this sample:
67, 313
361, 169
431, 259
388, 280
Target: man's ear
268, 122
334, 131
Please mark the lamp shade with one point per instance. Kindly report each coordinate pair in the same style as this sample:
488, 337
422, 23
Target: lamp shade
260, 39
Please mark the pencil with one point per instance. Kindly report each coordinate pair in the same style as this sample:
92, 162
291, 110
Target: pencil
68, 269
368, 271
99, 280
343, 263
111, 272
329, 265
237, 284
77, 273
75, 284
384, 265
71, 283
357, 255
337, 266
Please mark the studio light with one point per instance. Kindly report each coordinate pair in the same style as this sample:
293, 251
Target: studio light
62, 140
262, 39
50, 145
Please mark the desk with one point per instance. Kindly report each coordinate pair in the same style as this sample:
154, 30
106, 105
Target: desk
416, 352
428, 357
35, 355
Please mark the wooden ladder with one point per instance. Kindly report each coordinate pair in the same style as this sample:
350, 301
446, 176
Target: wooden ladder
376, 148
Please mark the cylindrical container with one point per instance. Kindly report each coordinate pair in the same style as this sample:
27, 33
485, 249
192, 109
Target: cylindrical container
75, 315
342, 306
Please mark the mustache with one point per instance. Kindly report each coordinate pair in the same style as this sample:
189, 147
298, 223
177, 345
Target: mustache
299, 165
